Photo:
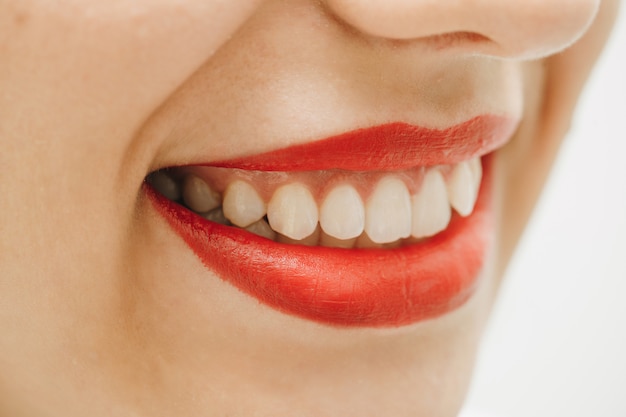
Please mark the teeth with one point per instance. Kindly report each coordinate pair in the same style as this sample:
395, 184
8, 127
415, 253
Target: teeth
430, 207
217, 216
342, 214
310, 240
388, 211
198, 196
364, 242
477, 172
292, 211
463, 186
165, 185
390, 217
261, 228
242, 204
333, 242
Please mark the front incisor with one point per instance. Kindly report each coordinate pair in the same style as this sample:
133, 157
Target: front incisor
388, 211
342, 214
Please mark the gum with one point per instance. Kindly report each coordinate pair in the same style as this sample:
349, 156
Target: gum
318, 182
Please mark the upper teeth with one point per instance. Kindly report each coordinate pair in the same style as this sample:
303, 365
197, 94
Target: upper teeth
199, 196
242, 204
292, 211
396, 207
430, 207
463, 186
388, 211
342, 213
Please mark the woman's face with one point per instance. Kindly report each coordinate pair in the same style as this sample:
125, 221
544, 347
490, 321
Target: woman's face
116, 301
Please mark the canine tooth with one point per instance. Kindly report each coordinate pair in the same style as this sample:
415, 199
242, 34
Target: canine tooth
292, 211
310, 240
463, 187
342, 214
477, 172
388, 211
165, 184
217, 216
198, 196
430, 207
333, 242
261, 228
242, 204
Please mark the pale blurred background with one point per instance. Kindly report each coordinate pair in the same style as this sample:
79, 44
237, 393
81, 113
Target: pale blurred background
556, 345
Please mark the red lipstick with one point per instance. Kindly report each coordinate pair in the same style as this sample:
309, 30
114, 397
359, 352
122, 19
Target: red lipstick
356, 287
387, 147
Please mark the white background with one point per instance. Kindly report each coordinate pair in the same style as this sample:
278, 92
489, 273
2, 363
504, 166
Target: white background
556, 344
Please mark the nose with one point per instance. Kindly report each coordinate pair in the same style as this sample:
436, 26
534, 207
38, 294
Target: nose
524, 29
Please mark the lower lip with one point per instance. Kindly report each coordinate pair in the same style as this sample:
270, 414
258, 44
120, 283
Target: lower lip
346, 287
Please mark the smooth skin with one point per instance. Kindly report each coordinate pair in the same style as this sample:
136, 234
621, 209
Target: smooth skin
104, 311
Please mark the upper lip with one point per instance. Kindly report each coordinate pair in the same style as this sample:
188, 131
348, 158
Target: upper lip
387, 147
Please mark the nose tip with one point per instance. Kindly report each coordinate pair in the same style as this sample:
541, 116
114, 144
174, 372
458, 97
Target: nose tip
523, 29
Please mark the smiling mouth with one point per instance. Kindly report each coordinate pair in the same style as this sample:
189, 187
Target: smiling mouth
379, 227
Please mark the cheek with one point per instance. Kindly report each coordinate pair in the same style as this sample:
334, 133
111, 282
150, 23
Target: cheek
76, 82
108, 65
552, 89
115, 61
